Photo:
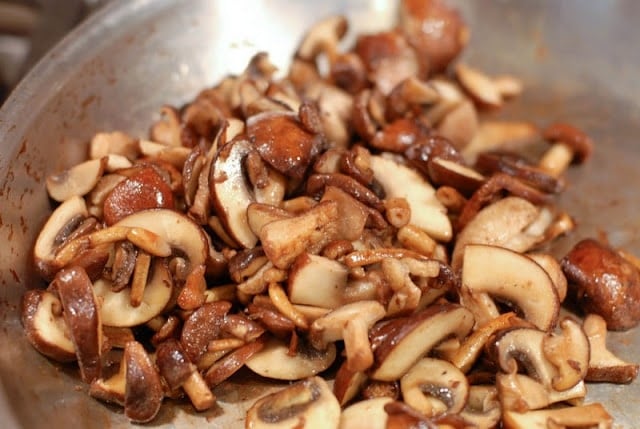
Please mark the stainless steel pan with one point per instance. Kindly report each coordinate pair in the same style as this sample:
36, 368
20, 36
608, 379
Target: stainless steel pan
579, 61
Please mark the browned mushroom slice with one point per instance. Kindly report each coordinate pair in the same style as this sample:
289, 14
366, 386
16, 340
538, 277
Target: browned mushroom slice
501, 136
552, 266
445, 172
520, 392
483, 407
479, 85
111, 390
174, 155
353, 215
323, 37
45, 327
369, 413
202, 326
398, 135
145, 189
412, 337
283, 143
77, 180
400, 181
604, 366
116, 308
347, 384
143, 392
117, 142
409, 96
58, 228
275, 360
588, 415
230, 191
603, 282
435, 30
284, 240
460, 124
435, 387
316, 280
569, 352
82, 316
228, 365
177, 369
569, 145
517, 280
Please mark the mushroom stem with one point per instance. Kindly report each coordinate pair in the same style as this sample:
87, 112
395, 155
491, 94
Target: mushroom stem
139, 280
356, 344
556, 159
201, 396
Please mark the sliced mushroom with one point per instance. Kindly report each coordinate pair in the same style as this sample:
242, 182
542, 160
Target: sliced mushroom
412, 337
45, 327
367, 414
552, 266
460, 124
228, 365
519, 392
118, 143
351, 323
316, 280
178, 371
111, 390
483, 407
82, 316
589, 415
604, 366
275, 360
446, 172
435, 387
323, 37
143, 386
77, 180
174, 155
202, 326
479, 85
569, 144
569, 352
519, 281
308, 403
348, 384
400, 181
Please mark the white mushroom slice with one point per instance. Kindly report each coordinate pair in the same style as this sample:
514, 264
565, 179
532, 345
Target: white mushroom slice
350, 323
174, 155
513, 277
400, 181
181, 233
435, 387
258, 215
503, 223
230, 191
60, 224
367, 414
308, 403
116, 162
521, 393
582, 416
413, 337
116, 308
45, 327
77, 180
275, 361
316, 280
117, 143
483, 407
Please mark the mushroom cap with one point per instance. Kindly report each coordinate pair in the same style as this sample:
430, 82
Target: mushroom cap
77, 180
143, 391
573, 137
173, 364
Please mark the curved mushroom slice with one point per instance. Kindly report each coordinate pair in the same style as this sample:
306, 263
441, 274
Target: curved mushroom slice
183, 235
400, 181
552, 266
603, 364
368, 414
483, 407
228, 365
275, 360
143, 391
177, 369
590, 415
347, 384
324, 36
435, 387
316, 280
308, 403
447, 172
117, 143
77, 180
202, 326
519, 392
569, 352
503, 223
82, 316
230, 191
116, 308
479, 85
45, 327
60, 225
410, 338
518, 280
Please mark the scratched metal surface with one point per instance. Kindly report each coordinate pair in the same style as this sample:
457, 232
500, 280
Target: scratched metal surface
578, 60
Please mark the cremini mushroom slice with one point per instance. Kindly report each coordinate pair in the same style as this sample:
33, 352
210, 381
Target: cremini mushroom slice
202, 326
348, 384
111, 390
284, 240
517, 280
400, 181
83, 319
588, 415
483, 407
316, 280
116, 308
446, 172
275, 360
176, 368
77, 180
569, 352
552, 266
350, 323
522, 393
45, 327
369, 414
323, 37
113, 143
309, 402
410, 338
230, 363
143, 386
460, 124
480, 86
174, 155
55, 232
604, 366
435, 387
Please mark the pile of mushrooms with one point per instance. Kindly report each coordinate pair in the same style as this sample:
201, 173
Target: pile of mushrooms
356, 217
